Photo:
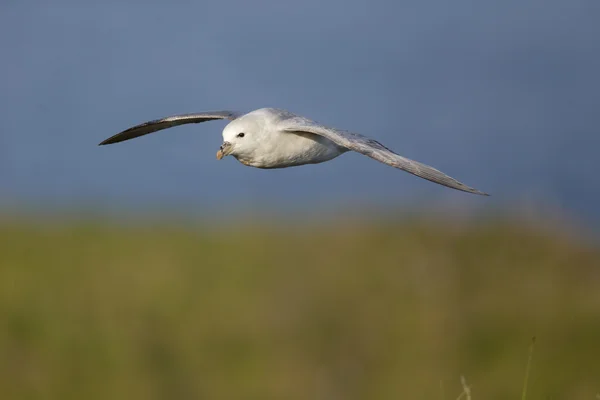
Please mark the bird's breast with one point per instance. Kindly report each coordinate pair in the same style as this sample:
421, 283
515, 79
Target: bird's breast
292, 149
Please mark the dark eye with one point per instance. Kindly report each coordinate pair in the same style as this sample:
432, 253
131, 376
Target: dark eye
241, 134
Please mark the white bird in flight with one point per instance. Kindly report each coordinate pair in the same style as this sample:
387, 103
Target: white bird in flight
274, 138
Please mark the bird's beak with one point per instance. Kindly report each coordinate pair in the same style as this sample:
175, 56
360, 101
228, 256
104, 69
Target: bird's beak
224, 150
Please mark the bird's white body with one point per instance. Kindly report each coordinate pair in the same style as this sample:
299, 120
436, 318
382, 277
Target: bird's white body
265, 146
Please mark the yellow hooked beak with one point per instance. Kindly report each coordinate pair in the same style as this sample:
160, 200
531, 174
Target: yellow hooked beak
224, 150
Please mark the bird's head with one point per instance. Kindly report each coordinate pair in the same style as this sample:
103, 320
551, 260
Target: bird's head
241, 138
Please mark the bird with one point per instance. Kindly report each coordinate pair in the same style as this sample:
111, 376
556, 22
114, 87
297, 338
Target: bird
269, 138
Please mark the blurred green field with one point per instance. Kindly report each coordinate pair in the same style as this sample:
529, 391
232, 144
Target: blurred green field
348, 310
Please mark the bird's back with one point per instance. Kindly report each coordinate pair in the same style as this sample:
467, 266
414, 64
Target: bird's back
281, 149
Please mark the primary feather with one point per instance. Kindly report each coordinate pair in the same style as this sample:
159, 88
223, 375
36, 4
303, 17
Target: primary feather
168, 122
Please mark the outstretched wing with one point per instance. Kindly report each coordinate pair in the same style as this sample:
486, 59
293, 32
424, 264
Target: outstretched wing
375, 150
168, 122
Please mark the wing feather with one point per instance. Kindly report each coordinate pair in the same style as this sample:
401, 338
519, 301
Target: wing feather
168, 122
377, 151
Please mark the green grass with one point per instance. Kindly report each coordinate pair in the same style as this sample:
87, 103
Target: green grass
92, 310
528, 369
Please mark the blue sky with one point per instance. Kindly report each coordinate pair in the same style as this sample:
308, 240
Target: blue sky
504, 96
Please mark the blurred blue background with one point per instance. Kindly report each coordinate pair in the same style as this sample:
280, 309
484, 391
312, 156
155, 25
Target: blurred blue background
501, 95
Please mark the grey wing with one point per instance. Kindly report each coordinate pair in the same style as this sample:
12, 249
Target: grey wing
377, 151
168, 122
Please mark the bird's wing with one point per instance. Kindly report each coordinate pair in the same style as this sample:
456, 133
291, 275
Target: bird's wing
168, 122
375, 150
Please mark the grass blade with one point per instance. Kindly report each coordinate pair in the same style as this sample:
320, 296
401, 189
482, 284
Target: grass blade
528, 369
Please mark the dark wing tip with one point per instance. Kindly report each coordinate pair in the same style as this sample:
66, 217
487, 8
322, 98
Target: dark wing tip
473, 190
107, 141
464, 188
113, 139
135, 132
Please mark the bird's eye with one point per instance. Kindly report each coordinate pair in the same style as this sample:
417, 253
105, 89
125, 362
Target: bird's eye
241, 134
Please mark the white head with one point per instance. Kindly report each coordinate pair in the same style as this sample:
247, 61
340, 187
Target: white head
241, 138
